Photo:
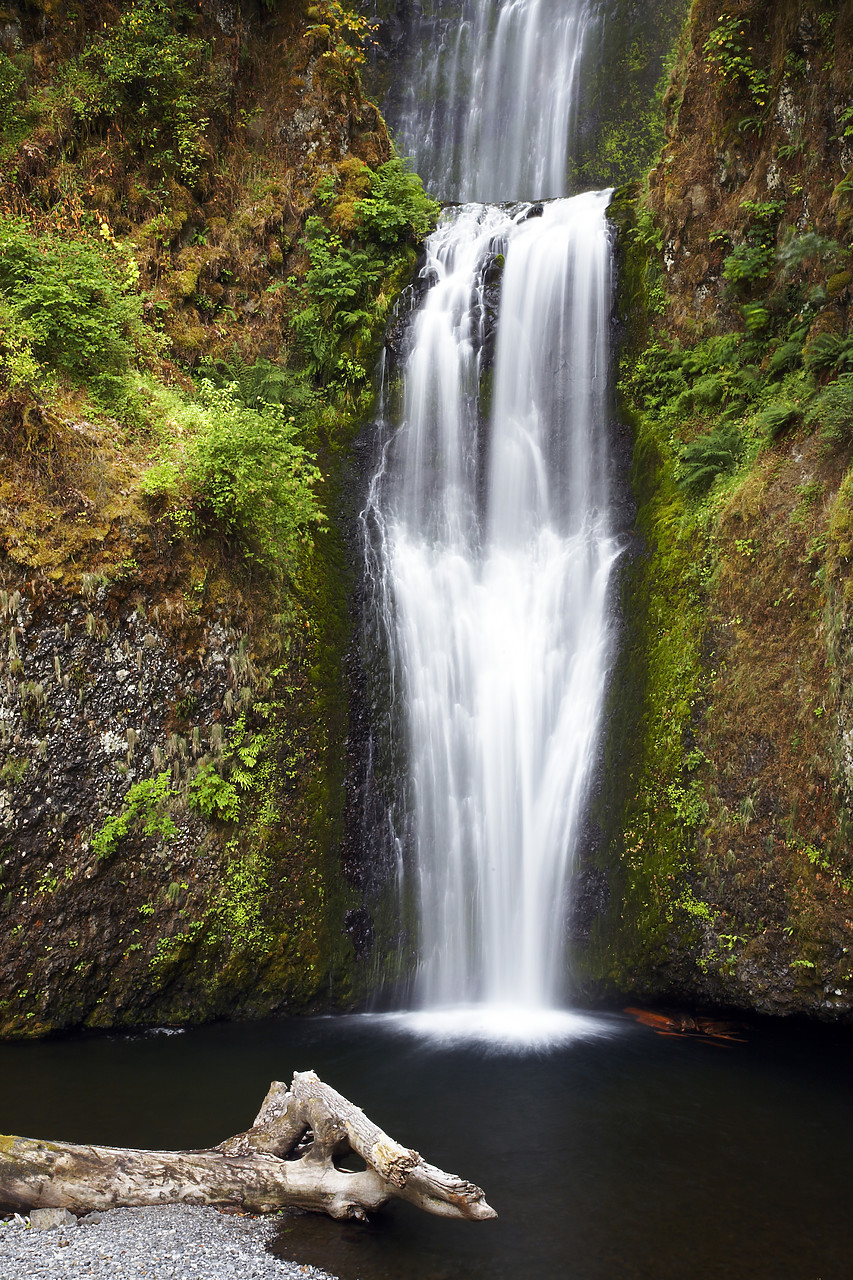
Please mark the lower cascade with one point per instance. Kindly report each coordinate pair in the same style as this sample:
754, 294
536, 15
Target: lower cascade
493, 554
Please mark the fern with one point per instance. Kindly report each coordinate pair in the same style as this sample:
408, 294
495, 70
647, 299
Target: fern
786, 357
828, 351
709, 456
777, 418
832, 410
145, 801
214, 796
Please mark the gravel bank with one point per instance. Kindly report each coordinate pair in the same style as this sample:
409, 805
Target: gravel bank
175, 1242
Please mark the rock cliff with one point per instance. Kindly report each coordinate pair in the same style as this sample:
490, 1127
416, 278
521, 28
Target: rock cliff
725, 818
203, 233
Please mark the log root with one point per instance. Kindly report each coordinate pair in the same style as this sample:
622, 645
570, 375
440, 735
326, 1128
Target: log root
291, 1157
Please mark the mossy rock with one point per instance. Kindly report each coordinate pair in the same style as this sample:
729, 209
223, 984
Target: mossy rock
189, 338
838, 283
183, 284
829, 322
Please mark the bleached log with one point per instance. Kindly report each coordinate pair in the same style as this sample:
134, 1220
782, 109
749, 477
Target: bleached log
289, 1158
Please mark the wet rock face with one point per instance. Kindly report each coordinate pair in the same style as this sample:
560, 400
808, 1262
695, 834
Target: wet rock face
89, 707
96, 696
746, 904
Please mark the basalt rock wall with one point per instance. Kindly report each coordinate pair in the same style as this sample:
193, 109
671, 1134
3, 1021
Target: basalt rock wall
723, 831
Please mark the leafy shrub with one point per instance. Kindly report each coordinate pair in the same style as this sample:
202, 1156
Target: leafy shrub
646, 231
344, 301
747, 265
72, 300
756, 317
11, 81
397, 208
347, 33
709, 456
243, 475
155, 79
19, 366
832, 410
728, 49
777, 418
145, 802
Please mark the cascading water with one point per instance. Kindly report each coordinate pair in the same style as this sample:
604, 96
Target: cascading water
491, 547
487, 103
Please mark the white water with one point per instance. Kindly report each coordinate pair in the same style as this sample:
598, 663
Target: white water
488, 104
494, 546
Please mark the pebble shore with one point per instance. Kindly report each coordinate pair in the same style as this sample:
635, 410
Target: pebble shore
175, 1242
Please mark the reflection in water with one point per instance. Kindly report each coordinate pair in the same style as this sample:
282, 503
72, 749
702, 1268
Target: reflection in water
620, 1156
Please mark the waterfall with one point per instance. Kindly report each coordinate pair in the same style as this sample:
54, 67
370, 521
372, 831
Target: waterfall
490, 546
486, 106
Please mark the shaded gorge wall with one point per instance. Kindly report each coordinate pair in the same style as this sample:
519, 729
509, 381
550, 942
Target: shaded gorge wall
614, 134
723, 872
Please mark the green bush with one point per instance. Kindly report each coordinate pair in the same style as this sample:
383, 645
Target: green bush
397, 208
756, 317
19, 366
709, 456
11, 82
73, 301
748, 265
145, 802
156, 80
242, 475
831, 410
344, 302
729, 50
777, 418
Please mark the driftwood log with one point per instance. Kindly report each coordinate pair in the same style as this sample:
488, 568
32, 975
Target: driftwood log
291, 1157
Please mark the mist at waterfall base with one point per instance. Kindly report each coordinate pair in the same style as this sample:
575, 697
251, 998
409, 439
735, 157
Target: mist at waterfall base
625, 1156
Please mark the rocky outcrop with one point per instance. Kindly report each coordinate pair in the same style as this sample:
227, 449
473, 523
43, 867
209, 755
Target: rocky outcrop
727, 807
173, 715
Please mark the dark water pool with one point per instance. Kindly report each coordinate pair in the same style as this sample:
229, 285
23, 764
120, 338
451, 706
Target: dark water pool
619, 1155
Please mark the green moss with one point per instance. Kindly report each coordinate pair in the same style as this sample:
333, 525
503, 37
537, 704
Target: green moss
653, 806
183, 284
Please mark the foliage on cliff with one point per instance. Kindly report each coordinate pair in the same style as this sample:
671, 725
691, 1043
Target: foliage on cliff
621, 127
202, 230
736, 871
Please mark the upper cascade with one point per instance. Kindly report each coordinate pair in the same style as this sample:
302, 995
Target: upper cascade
487, 110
